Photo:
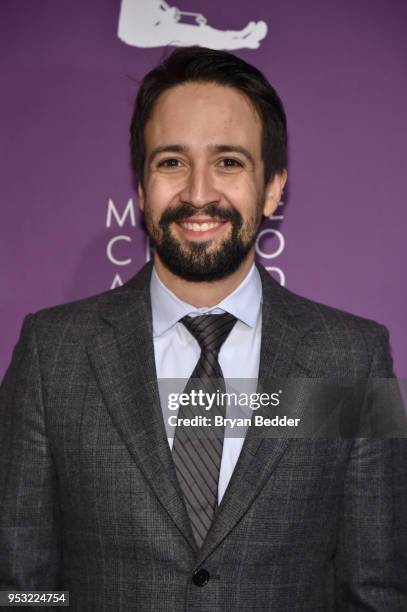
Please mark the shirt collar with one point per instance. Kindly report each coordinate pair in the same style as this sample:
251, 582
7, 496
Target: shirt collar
243, 303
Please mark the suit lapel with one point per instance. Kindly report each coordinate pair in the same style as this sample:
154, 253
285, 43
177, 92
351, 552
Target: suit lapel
122, 357
283, 354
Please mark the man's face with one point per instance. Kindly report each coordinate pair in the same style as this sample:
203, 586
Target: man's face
204, 195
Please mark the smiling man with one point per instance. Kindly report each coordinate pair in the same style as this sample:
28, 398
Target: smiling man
99, 497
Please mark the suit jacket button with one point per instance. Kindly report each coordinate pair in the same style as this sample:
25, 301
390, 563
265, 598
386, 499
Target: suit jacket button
200, 577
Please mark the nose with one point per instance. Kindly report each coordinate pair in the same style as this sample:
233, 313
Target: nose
199, 189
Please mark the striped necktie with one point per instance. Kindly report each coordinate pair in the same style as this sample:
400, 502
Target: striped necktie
197, 451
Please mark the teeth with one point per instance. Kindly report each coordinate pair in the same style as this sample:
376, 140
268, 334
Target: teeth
200, 227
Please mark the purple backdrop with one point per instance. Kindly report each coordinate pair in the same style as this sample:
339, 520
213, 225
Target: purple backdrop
68, 86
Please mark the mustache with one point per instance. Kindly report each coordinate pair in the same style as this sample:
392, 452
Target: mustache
185, 210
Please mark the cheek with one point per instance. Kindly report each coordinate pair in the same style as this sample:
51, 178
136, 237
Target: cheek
156, 199
162, 192
244, 195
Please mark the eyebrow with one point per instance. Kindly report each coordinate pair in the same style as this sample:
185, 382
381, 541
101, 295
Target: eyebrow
220, 148
172, 148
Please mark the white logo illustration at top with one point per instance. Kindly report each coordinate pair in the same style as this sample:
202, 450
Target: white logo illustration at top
154, 23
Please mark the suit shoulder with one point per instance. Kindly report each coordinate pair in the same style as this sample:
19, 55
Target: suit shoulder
81, 317
86, 310
329, 318
328, 329
344, 343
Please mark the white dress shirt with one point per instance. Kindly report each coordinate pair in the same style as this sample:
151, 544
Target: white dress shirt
177, 352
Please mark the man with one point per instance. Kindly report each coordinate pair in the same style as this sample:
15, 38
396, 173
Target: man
97, 497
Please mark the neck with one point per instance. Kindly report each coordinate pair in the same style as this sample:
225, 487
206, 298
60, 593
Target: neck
202, 294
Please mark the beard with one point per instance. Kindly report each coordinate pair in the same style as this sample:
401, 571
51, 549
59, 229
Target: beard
199, 261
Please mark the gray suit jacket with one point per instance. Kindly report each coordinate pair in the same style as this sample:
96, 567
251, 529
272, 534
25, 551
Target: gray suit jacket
90, 501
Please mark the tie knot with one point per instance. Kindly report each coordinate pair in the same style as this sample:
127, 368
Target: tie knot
210, 331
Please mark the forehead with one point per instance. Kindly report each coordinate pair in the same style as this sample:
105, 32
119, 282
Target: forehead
204, 113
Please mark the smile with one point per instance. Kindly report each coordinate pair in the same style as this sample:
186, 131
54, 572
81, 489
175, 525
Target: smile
202, 228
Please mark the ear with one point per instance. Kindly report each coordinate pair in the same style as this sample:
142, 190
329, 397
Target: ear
273, 192
140, 192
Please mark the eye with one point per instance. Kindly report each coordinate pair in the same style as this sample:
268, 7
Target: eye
169, 163
228, 162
